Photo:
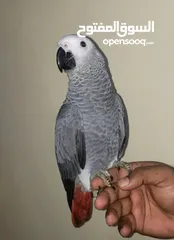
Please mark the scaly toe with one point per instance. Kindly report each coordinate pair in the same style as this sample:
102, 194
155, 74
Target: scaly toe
105, 176
107, 179
124, 165
95, 193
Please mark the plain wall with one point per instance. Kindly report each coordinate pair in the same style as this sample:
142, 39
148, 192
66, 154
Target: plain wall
32, 199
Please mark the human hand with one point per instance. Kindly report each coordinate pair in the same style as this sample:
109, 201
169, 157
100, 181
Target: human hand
145, 205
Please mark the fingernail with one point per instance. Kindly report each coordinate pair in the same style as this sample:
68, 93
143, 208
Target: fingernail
123, 182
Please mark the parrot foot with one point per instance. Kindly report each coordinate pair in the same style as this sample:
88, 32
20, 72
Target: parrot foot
124, 165
106, 177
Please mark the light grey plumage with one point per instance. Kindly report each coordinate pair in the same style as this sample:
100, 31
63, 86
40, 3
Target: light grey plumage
92, 125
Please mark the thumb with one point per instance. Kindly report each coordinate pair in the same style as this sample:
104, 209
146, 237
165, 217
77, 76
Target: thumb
151, 175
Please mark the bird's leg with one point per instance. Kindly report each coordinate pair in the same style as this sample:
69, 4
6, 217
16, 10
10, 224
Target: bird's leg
106, 177
122, 164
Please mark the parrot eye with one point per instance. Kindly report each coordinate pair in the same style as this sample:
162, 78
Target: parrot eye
83, 44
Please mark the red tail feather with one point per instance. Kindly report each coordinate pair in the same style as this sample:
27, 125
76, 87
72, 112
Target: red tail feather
81, 207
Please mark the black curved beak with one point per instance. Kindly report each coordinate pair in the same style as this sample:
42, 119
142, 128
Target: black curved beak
65, 60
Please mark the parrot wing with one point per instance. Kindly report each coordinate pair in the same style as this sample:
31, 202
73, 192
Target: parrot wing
69, 146
123, 126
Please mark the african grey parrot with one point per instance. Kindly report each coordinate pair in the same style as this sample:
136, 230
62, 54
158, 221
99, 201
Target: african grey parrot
91, 132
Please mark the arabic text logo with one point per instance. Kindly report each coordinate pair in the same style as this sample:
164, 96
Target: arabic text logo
121, 29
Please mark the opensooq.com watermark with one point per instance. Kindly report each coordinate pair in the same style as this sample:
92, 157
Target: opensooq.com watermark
122, 30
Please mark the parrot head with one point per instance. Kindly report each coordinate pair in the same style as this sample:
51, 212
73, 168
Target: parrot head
75, 52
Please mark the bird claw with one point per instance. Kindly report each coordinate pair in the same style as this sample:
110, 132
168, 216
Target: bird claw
124, 165
95, 193
106, 177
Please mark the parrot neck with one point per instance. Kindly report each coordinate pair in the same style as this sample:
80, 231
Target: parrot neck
90, 87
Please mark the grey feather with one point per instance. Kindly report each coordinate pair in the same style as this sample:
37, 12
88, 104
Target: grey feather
124, 127
70, 142
69, 146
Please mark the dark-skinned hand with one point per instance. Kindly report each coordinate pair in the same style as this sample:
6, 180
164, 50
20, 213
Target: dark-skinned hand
142, 202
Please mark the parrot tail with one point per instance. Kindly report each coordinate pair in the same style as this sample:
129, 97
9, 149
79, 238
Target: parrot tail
81, 207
